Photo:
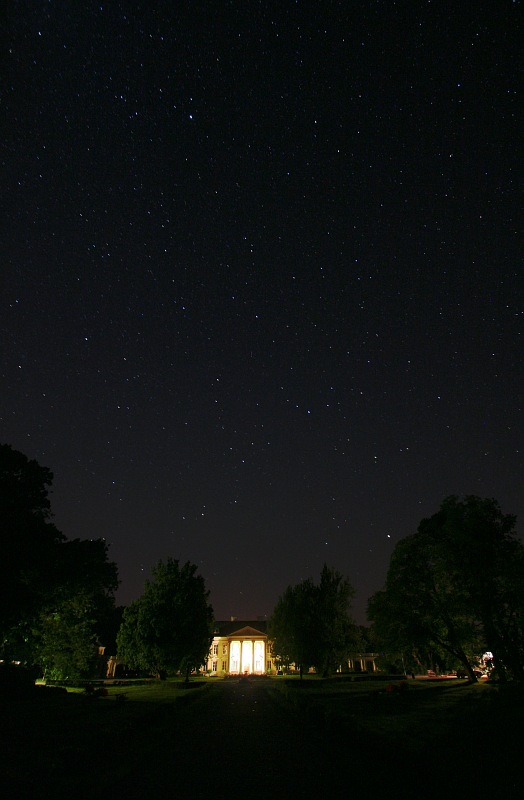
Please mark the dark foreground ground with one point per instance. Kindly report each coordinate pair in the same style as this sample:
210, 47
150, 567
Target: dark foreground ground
245, 740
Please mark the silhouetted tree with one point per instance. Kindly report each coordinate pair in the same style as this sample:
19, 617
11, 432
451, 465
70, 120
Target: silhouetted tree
290, 627
311, 625
169, 628
46, 580
28, 539
457, 585
65, 639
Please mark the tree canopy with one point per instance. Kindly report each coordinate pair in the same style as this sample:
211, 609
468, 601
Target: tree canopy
169, 628
457, 586
28, 539
312, 626
48, 583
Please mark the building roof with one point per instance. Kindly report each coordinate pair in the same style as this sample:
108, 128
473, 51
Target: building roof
229, 627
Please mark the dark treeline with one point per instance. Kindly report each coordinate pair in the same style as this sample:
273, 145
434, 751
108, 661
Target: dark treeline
56, 594
454, 591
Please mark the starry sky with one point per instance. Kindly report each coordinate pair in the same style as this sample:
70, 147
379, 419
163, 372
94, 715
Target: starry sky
262, 290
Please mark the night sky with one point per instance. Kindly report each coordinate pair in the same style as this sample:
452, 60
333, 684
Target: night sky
261, 270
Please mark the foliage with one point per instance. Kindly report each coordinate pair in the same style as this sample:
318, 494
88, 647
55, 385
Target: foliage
169, 628
71, 623
28, 540
66, 641
55, 593
290, 625
456, 587
311, 625
23, 486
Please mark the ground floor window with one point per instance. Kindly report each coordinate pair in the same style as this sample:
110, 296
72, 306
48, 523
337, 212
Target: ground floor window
269, 666
224, 666
214, 667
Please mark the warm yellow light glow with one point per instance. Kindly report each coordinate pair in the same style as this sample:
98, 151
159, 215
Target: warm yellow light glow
234, 663
259, 656
247, 656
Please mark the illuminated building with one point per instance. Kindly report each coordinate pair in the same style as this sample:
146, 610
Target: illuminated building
241, 647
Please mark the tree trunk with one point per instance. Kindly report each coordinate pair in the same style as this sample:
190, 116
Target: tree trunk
467, 666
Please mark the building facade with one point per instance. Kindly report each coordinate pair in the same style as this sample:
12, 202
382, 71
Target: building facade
243, 648
240, 648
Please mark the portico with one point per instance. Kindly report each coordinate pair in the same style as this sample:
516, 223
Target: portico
239, 650
242, 648
246, 655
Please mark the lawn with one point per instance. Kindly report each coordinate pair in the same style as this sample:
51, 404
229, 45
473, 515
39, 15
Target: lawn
63, 738
78, 744
420, 713
470, 733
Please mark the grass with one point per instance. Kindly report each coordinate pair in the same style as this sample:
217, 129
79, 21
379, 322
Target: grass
470, 733
67, 740
63, 738
417, 712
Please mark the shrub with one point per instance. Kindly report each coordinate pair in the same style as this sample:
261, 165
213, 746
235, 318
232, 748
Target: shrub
15, 678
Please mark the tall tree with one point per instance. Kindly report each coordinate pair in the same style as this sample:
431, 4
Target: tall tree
77, 611
45, 579
481, 546
457, 585
337, 629
419, 611
291, 626
312, 625
28, 538
65, 638
169, 628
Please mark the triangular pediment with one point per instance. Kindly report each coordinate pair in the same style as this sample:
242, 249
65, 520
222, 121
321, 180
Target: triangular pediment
247, 631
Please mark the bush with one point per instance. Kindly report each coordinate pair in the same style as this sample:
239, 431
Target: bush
15, 678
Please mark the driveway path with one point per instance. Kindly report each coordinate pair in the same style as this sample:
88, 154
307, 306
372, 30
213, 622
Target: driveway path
234, 741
